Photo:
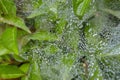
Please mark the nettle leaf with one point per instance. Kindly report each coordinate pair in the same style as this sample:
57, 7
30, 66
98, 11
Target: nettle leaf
80, 7
9, 39
45, 8
43, 36
114, 13
10, 71
15, 21
8, 7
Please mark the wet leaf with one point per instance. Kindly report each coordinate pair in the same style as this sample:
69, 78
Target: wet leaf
35, 72
76, 3
109, 65
73, 39
97, 73
69, 59
44, 9
37, 3
43, 36
15, 21
9, 39
80, 7
92, 36
51, 49
10, 71
61, 26
113, 12
94, 70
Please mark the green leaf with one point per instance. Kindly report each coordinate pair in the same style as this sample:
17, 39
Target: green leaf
69, 59
96, 73
76, 3
73, 39
51, 49
61, 26
9, 40
10, 71
25, 78
37, 3
43, 9
43, 36
25, 67
3, 50
80, 7
15, 21
92, 36
61, 1
114, 13
8, 7
6, 59
18, 58
35, 72
2, 28
94, 69
21, 37
83, 7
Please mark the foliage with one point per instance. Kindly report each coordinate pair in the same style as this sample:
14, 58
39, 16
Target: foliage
10, 71
54, 39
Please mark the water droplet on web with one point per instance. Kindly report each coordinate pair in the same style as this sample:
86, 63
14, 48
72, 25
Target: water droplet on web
100, 44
